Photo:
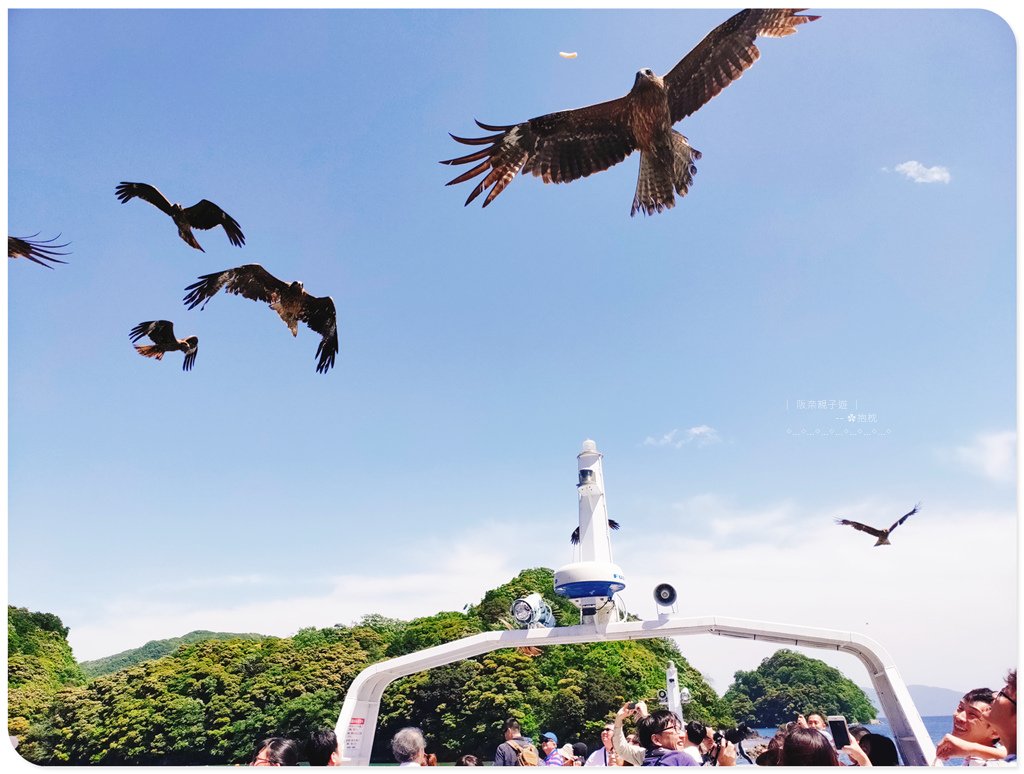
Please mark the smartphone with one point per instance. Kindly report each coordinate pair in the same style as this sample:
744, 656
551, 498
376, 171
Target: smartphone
631, 705
840, 733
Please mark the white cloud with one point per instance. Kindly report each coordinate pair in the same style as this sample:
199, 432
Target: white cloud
919, 173
424, 579
787, 564
701, 435
992, 455
779, 562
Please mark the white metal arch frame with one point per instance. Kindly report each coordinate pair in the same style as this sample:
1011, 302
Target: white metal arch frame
357, 723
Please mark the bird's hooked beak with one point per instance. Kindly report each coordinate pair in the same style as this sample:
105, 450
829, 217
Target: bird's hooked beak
645, 74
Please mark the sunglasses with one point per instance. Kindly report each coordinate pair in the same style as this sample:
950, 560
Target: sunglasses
1006, 696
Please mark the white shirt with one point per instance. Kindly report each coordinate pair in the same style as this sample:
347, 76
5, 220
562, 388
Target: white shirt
597, 758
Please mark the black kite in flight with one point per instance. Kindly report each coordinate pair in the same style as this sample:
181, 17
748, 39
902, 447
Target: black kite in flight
290, 301
881, 534
204, 215
561, 147
161, 332
39, 251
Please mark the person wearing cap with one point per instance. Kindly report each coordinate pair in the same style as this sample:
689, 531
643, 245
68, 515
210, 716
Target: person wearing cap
579, 752
549, 749
568, 756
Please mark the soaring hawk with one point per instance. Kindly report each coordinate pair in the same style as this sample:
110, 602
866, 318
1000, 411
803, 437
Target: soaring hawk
290, 301
881, 534
161, 333
561, 147
204, 214
40, 250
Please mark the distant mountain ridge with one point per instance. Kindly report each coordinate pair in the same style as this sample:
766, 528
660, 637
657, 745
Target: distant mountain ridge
156, 649
928, 699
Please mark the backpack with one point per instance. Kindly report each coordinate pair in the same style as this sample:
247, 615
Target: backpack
525, 755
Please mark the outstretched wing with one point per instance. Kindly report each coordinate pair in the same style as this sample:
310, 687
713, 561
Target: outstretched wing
128, 191
905, 516
160, 332
319, 314
250, 280
861, 527
206, 215
723, 55
558, 147
38, 251
191, 350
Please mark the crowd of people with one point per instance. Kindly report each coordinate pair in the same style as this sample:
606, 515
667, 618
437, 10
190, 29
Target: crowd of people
984, 733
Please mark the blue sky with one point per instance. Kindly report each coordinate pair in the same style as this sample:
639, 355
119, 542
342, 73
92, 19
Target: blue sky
849, 239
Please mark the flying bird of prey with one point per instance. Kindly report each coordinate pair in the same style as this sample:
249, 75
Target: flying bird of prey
575, 537
290, 301
561, 147
161, 333
204, 215
39, 251
881, 534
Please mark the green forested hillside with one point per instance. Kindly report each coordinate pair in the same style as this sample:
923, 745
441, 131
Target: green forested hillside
210, 702
39, 664
155, 649
787, 683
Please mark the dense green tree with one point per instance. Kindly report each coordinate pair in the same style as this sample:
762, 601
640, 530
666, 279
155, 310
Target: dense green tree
39, 664
212, 700
787, 683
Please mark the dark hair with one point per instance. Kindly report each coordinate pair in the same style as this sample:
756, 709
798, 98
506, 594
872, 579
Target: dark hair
857, 731
984, 695
769, 757
1011, 680
467, 760
880, 750
655, 723
511, 725
280, 751
580, 749
696, 731
808, 747
431, 759
320, 746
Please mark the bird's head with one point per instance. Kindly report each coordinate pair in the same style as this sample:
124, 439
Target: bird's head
645, 78
295, 287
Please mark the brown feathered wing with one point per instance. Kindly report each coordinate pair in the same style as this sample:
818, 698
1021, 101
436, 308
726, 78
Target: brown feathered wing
722, 56
206, 215
320, 315
558, 147
250, 280
39, 250
127, 191
862, 527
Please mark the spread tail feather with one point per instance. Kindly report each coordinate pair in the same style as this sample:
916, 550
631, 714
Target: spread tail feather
684, 157
654, 186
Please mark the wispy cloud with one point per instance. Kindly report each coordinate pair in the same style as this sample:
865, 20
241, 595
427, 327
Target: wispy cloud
992, 455
919, 173
774, 562
701, 435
